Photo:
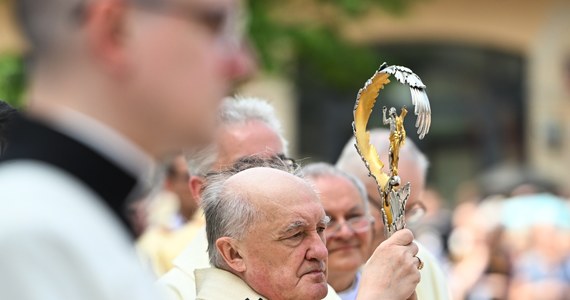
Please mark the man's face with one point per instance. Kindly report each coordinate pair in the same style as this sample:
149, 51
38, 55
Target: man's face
177, 182
242, 140
348, 247
285, 253
184, 60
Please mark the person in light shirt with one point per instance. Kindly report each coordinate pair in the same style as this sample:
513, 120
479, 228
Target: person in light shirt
116, 87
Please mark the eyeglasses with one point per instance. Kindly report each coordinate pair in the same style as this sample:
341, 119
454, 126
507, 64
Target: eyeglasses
226, 23
357, 224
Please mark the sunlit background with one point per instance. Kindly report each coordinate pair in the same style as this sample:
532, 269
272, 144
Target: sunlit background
498, 78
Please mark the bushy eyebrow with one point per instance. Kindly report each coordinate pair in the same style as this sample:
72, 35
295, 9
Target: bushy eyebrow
296, 225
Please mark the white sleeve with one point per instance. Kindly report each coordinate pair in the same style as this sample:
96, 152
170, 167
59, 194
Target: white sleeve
59, 242
36, 264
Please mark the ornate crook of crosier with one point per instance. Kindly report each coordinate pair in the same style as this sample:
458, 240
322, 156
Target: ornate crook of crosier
393, 197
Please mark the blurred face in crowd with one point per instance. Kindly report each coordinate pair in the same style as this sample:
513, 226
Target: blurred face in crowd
242, 140
185, 56
177, 182
349, 232
284, 254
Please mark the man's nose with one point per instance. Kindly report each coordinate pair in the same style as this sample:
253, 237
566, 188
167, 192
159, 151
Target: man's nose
242, 63
344, 232
317, 249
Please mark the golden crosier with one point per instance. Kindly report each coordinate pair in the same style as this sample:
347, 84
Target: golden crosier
393, 198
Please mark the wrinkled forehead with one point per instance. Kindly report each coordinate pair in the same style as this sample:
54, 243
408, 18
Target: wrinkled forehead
304, 213
269, 188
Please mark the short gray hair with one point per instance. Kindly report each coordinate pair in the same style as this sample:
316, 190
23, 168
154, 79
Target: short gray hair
227, 211
236, 110
350, 161
319, 170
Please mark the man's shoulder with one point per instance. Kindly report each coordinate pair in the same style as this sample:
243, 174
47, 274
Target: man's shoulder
209, 283
179, 284
173, 245
181, 278
31, 189
195, 255
38, 198
55, 235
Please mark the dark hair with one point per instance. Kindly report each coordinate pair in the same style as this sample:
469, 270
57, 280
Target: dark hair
6, 114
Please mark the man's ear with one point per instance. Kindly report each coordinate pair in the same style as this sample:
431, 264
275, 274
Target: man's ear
195, 183
105, 27
230, 252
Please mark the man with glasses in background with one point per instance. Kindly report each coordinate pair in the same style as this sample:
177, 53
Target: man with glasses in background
116, 87
349, 234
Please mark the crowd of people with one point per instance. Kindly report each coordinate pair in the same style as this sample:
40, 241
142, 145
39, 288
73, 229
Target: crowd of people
132, 175
508, 245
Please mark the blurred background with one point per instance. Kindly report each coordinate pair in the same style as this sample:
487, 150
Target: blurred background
498, 78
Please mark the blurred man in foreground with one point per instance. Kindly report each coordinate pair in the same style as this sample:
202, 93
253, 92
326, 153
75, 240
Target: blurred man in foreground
412, 168
265, 227
117, 86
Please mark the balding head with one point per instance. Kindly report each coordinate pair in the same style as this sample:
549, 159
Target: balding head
235, 201
259, 184
226, 206
267, 227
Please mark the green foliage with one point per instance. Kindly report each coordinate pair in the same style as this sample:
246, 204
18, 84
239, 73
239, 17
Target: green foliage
358, 7
12, 79
340, 62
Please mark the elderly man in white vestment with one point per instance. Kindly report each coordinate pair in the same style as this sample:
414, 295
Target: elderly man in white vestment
116, 86
265, 227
